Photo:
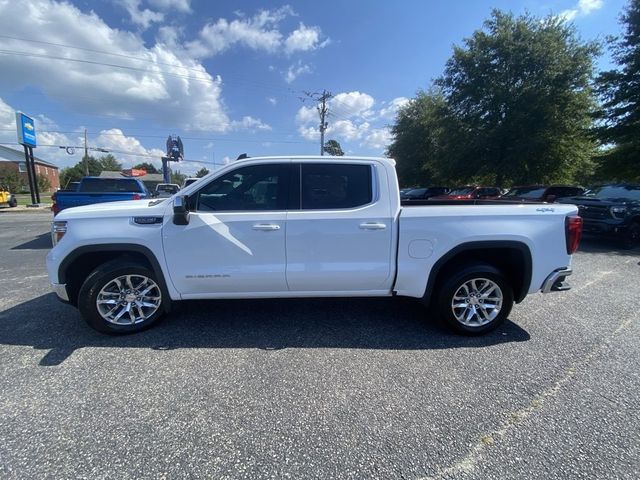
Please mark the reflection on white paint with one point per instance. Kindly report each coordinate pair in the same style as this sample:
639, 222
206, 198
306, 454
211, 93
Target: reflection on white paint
220, 228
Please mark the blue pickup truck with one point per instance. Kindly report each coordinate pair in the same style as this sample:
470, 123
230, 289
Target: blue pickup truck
99, 190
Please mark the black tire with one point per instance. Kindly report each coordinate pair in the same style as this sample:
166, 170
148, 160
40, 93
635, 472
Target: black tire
13, 202
631, 237
454, 281
98, 279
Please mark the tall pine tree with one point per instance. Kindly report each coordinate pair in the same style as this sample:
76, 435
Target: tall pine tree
619, 130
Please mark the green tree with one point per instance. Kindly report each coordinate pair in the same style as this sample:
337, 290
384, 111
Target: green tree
70, 174
91, 164
110, 163
10, 179
417, 140
332, 147
149, 167
519, 102
202, 172
177, 177
619, 89
44, 185
76, 172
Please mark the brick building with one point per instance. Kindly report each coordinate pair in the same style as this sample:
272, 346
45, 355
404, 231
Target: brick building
15, 159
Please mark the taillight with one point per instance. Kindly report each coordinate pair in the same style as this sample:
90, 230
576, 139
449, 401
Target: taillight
136, 196
573, 232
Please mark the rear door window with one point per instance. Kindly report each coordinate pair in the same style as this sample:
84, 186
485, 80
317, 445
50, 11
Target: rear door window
327, 186
109, 185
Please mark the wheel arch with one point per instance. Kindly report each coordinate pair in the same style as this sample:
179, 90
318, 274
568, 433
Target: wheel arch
79, 263
512, 257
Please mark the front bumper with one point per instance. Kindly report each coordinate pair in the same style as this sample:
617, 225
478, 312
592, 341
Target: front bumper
556, 281
60, 290
605, 227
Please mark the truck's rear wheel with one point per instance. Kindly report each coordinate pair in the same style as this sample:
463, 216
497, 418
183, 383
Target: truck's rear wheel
475, 299
121, 297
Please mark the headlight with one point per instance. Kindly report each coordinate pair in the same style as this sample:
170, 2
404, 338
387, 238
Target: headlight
618, 212
58, 229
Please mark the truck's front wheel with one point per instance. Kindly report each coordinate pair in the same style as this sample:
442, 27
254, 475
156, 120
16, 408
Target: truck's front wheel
475, 299
121, 297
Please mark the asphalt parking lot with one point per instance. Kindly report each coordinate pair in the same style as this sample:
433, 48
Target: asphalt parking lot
320, 388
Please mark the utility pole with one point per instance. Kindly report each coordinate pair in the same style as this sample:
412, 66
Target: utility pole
323, 109
86, 154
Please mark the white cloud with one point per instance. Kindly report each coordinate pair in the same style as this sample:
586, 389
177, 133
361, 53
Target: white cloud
355, 120
55, 155
161, 85
272, 100
250, 123
295, 71
352, 104
306, 114
588, 6
142, 17
303, 39
258, 32
582, 8
7, 121
127, 149
377, 138
389, 112
165, 5
170, 36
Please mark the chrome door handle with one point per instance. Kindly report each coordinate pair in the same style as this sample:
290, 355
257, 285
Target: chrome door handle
373, 226
266, 227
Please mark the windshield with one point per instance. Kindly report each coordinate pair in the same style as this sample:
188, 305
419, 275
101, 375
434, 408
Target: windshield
462, 191
608, 192
167, 188
526, 192
418, 192
189, 181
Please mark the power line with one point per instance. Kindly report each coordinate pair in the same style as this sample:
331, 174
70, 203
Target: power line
148, 60
209, 81
123, 134
104, 150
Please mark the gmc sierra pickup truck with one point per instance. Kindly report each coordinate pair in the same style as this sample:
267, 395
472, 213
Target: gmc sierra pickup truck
307, 227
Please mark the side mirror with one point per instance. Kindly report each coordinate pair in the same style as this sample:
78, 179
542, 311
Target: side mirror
551, 198
181, 210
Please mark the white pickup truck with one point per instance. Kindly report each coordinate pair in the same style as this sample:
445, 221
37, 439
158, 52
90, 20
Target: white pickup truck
307, 227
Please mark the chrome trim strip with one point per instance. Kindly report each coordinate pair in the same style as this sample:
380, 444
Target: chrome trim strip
553, 278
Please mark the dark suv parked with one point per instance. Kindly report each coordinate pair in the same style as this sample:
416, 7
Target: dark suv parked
611, 210
541, 193
423, 193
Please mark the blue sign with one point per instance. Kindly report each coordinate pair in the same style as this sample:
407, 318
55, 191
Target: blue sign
26, 130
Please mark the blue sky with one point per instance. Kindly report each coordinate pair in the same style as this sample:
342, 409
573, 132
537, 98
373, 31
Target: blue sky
230, 77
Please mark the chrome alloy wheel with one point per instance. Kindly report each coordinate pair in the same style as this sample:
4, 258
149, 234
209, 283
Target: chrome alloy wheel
477, 302
129, 299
